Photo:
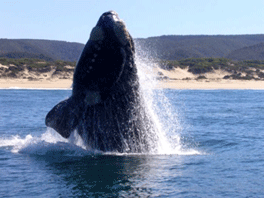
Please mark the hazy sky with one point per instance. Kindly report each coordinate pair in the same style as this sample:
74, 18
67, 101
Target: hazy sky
73, 20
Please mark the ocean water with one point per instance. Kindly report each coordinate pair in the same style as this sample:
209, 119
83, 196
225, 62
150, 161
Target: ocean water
216, 149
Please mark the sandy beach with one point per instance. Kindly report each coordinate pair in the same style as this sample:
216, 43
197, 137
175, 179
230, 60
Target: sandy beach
164, 84
37, 84
175, 79
182, 79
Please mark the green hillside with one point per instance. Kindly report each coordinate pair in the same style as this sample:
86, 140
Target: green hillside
254, 52
174, 47
199, 46
17, 68
40, 49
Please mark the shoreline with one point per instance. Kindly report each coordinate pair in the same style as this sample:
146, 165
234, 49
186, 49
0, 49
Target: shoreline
162, 84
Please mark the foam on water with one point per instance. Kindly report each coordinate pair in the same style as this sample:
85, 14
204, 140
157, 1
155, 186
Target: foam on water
49, 142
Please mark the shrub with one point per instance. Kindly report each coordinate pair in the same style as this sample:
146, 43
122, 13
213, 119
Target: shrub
201, 78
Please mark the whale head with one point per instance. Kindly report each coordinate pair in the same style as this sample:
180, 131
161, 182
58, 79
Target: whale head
107, 55
111, 27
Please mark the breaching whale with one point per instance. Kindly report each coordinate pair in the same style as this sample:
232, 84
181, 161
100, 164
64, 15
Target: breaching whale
106, 105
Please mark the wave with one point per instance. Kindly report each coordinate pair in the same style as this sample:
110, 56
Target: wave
51, 143
48, 143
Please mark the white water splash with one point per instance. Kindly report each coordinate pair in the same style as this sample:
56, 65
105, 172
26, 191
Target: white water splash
166, 120
52, 144
48, 143
16, 142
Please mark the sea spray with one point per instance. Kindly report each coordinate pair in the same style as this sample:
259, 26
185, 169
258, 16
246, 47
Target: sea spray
49, 143
15, 142
152, 100
158, 106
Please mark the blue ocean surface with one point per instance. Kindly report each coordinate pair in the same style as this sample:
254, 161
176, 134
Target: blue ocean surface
217, 140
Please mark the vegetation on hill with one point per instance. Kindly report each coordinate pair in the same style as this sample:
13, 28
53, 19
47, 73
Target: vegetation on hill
19, 55
241, 55
254, 52
243, 70
236, 47
14, 67
42, 49
201, 46
252, 69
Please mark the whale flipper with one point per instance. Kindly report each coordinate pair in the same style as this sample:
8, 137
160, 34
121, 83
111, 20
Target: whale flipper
64, 117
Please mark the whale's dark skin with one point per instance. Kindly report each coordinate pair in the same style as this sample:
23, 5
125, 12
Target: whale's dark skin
105, 105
